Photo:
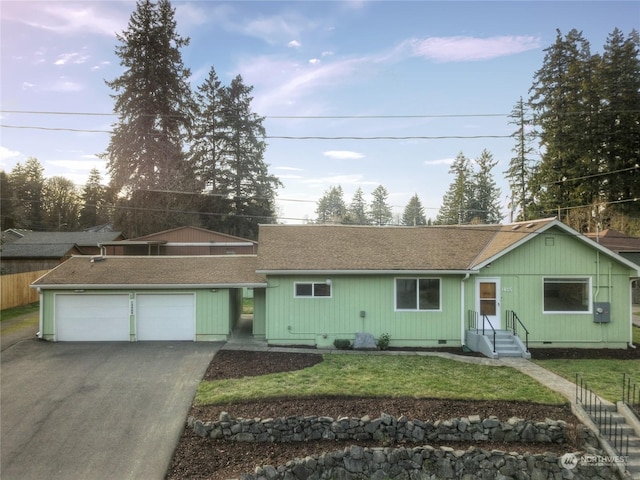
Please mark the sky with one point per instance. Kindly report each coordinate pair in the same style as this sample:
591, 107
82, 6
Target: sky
415, 82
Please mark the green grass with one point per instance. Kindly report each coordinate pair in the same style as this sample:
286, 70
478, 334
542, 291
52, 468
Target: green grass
384, 376
636, 336
247, 306
604, 377
10, 313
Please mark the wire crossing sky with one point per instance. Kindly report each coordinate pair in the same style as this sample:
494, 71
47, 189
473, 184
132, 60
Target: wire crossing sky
354, 93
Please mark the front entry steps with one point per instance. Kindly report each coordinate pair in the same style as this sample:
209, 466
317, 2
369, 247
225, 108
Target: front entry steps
506, 344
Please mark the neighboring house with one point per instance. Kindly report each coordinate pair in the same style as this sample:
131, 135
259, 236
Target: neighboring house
424, 286
147, 298
183, 241
28, 251
624, 245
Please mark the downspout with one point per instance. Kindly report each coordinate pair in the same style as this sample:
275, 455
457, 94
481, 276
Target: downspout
630, 343
462, 330
40, 314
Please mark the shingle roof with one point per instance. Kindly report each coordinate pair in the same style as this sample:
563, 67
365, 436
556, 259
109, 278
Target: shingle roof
358, 248
616, 241
209, 271
82, 239
56, 250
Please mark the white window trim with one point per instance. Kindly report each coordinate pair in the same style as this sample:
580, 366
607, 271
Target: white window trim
416, 310
589, 310
295, 289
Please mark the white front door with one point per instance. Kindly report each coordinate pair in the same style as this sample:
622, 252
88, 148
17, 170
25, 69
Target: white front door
488, 303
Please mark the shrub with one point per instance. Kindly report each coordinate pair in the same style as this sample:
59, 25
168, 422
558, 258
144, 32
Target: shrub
342, 343
383, 341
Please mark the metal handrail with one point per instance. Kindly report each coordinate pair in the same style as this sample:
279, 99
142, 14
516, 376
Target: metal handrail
601, 416
631, 394
485, 318
512, 317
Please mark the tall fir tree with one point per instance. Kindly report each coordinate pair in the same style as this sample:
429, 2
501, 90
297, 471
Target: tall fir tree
97, 202
380, 211
152, 99
414, 212
484, 205
456, 201
562, 101
243, 176
357, 210
331, 207
521, 166
619, 77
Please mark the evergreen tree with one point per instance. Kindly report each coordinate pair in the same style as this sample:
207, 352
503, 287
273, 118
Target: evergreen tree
61, 202
26, 182
357, 211
521, 166
154, 106
7, 213
562, 101
485, 202
456, 201
380, 211
242, 175
414, 212
331, 207
619, 77
97, 202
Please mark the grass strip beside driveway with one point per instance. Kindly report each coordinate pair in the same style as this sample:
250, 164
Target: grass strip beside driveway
384, 376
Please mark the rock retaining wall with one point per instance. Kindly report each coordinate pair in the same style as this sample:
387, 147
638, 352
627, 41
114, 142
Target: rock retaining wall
384, 428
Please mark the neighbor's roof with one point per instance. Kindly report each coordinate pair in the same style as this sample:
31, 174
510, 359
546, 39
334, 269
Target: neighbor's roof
153, 272
82, 239
616, 241
56, 250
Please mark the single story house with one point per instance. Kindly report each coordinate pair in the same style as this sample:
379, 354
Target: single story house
147, 298
182, 241
492, 288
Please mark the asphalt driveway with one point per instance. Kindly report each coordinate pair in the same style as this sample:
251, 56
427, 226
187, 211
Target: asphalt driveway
95, 410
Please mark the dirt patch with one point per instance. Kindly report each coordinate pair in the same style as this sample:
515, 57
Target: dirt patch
201, 458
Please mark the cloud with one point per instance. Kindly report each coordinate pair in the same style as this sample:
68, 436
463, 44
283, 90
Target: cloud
294, 44
290, 169
71, 58
353, 179
314, 61
64, 85
460, 49
441, 161
343, 154
326, 53
6, 154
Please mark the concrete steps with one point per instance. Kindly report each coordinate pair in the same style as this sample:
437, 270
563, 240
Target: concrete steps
507, 344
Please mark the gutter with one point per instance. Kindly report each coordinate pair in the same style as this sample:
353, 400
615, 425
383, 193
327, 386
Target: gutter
463, 337
147, 286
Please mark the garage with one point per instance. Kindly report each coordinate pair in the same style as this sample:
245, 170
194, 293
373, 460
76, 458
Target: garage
165, 316
82, 317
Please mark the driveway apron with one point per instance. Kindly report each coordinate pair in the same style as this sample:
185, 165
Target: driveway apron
95, 410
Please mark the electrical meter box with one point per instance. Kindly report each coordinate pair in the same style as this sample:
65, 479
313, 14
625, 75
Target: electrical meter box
601, 312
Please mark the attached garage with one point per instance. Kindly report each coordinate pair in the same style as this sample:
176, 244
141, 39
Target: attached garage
165, 316
80, 317
152, 298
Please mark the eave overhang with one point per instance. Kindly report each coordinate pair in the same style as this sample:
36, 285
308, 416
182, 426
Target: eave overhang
146, 286
367, 272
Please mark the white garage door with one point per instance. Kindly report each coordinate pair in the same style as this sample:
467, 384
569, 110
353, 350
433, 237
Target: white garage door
81, 318
165, 317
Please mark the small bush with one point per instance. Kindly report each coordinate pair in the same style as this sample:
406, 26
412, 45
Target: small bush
342, 343
383, 341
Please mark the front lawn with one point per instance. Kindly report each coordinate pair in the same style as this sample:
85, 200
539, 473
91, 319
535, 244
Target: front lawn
384, 376
9, 313
603, 376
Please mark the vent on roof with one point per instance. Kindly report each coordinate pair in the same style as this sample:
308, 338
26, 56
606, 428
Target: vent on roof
515, 227
98, 258
530, 225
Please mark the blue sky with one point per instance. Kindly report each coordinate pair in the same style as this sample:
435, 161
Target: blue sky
397, 69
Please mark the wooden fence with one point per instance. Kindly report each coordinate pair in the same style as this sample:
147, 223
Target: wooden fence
15, 290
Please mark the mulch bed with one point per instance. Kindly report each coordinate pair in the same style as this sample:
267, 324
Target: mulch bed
204, 458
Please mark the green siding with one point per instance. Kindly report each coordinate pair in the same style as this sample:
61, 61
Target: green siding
259, 312
319, 321
212, 311
559, 254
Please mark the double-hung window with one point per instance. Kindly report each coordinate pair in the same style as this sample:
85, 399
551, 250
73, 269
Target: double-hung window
418, 294
567, 295
310, 289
